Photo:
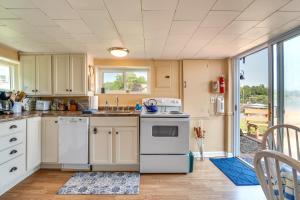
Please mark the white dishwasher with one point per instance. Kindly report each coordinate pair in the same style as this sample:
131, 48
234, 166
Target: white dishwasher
73, 142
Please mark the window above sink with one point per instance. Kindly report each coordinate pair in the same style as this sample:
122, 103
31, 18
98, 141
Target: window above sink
123, 80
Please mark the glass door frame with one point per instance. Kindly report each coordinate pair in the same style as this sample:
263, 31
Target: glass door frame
236, 81
280, 83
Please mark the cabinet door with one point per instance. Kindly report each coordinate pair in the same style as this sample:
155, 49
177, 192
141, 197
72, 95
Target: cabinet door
126, 145
101, 145
61, 74
33, 142
43, 75
77, 74
28, 74
49, 140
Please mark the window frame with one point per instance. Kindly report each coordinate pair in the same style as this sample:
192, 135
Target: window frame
11, 75
124, 70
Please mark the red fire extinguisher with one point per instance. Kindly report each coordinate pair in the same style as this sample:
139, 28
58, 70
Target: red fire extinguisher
222, 84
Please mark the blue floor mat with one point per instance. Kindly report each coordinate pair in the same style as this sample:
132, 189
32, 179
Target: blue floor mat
238, 172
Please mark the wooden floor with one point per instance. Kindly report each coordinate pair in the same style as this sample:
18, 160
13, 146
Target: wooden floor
206, 182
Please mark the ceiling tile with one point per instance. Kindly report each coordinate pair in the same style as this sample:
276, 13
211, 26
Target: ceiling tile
233, 5
255, 33
125, 10
19, 25
56, 9
183, 27
193, 9
260, 9
17, 4
219, 18
206, 33
73, 26
6, 14
277, 19
33, 16
192, 47
239, 27
99, 23
130, 28
159, 4
292, 6
87, 4
156, 24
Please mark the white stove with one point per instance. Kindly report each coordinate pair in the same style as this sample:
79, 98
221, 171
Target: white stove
164, 138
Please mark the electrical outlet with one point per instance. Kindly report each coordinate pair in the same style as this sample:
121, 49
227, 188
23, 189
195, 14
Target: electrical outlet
212, 99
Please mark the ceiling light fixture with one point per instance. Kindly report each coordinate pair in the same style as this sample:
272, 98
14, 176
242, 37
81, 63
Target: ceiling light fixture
118, 51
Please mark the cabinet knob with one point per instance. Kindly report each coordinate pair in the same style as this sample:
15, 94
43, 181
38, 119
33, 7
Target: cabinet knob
95, 130
67, 90
70, 90
13, 152
32, 90
13, 169
56, 121
13, 126
109, 132
13, 139
117, 132
36, 90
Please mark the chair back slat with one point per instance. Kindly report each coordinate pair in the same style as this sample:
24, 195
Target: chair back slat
278, 175
297, 144
284, 181
289, 142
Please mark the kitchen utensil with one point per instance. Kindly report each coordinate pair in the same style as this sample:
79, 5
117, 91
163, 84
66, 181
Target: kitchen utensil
151, 105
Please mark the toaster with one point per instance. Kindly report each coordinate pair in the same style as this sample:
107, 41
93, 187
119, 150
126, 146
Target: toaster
42, 105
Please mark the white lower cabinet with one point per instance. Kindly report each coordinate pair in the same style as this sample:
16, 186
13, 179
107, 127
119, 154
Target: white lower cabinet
114, 144
33, 143
50, 140
101, 145
126, 145
12, 153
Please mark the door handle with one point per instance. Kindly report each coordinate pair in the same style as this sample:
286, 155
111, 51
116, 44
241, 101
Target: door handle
95, 130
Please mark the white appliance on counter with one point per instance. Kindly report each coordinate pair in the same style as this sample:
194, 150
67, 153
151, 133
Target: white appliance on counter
73, 142
42, 105
164, 138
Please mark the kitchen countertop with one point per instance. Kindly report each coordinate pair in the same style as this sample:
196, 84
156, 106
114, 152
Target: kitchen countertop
28, 114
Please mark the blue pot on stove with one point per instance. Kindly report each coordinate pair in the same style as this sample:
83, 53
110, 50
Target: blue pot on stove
151, 105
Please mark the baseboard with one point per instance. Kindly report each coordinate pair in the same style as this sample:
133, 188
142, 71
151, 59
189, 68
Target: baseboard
210, 154
13, 183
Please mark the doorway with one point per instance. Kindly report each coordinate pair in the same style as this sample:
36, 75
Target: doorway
254, 102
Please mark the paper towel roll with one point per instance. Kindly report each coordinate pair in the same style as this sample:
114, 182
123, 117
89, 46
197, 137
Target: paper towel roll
93, 102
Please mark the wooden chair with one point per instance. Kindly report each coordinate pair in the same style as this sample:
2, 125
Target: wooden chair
277, 182
283, 138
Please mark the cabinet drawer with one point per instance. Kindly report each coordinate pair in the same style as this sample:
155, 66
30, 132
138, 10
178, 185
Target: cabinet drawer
12, 169
114, 121
11, 140
12, 127
12, 152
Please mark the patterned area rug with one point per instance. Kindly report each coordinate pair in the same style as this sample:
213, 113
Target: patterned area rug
237, 171
102, 183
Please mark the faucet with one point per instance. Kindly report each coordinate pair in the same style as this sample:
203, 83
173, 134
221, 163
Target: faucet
117, 101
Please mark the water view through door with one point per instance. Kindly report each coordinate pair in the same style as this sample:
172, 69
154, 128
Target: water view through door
254, 102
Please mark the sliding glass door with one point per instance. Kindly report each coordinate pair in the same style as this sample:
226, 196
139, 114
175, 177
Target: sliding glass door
291, 81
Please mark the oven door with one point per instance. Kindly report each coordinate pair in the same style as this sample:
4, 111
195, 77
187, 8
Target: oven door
164, 135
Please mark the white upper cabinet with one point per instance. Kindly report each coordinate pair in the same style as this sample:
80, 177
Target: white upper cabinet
69, 74
36, 74
28, 74
61, 78
77, 75
43, 76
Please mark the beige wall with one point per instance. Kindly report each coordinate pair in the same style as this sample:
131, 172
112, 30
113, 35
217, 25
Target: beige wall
8, 53
217, 127
156, 90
